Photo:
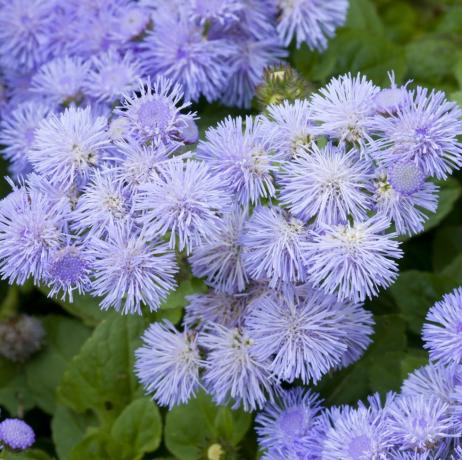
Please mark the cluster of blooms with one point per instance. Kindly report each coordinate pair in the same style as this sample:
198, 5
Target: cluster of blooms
16, 434
423, 422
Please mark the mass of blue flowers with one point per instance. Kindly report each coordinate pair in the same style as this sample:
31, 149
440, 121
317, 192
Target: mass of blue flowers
292, 217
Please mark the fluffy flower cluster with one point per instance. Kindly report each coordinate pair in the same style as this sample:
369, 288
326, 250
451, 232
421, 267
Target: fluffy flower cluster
423, 422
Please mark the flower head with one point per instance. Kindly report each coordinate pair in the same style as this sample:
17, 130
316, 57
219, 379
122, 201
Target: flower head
326, 184
184, 199
287, 425
310, 21
69, 146
232, 371
272, 246
168, 364
353, 260
16, 434
130, 270
442, 331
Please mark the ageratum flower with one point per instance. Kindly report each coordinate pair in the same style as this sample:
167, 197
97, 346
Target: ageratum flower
289, 127
327, 184
31, 227
272, 246
130, 270
168, 363
354, 260
177, 49
16, 434
104, 202
344, 109
112, 75
223, 12
154, 112
233, 373
24, 32
442, 330
287, 426
357, 433
68, 270
184, 199
298, 339
424, 129
238, 150
420, 422
61, 80
220, 261
310, 21
403, 196
67, 147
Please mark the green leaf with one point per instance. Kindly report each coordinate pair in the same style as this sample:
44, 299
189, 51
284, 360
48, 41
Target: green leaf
138, 429
450, 191
453, 271
100, 378
92, 446
64, 337
362, 14
68, 429
415, 292
190, 429
447, 245
31, 454
456, 97
385, 373
177, 298
413, 359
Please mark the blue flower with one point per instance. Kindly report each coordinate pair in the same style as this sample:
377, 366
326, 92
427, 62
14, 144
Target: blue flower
168, 363
154, 112
61, 80
112, 75
24, 32
130, 270
424, 129
420, 422
310, 21
344, 109
223, 12
287, 426
272, 246
220, 260
301, 339
31, 227
67, 147
238, 150
68, 270
233, 373
354, 260
176, 48
184, 199
442, 330
16, 434
327, 185
402, 195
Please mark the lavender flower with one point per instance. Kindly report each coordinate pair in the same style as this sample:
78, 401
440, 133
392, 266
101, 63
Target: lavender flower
344, 109
301, 339
419, 422
402, 195
425, 130
154, 113
286, 426
31, 227
67, 147
61, 80
311, 22
130, 270
185, 200
238, 150
232, 370
326, 184
112, 75
220, 260
168, 364
353, 260
16, 434
441, 332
